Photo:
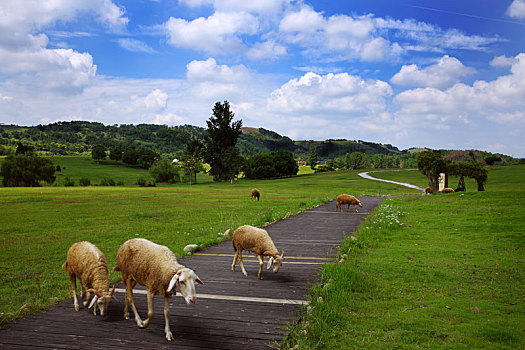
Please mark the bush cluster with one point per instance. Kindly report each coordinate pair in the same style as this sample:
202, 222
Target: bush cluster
270, 165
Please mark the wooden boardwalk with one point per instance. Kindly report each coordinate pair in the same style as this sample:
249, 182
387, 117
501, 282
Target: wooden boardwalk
232, 311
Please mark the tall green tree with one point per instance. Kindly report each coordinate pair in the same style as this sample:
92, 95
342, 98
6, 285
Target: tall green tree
27, 170
163, 170
312, 156
192, 159
98, 153
221, 139
431, 164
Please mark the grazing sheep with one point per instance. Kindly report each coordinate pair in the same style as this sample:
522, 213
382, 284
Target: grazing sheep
156, 267
447, 190
255, 194
85, 261
255, 240
428, 190
347, 199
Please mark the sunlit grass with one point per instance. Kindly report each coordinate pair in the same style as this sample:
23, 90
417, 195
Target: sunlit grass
442, 271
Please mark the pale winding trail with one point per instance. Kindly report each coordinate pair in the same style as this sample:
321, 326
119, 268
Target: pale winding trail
366, 176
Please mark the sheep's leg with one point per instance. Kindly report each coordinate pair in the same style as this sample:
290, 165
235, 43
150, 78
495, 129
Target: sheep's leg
129, 297
73, 280
355, 208
235, 260
260, 266
145, 324
88, 297
126, 313
167, 329
242, 266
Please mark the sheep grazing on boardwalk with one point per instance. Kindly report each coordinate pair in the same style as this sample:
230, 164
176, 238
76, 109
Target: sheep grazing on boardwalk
255, 194
447, 190
156, 267
85, 261
347, 199
256, 240
428, 190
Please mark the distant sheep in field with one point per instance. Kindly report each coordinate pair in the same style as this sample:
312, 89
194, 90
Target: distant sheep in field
255, 194
447, 190
85, 261
347, 199
428, 190
156, 267
256, 240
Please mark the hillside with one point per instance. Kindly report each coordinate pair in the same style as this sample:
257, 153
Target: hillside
78, 137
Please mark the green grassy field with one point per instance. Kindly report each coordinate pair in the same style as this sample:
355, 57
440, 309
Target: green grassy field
37, 225
442, 271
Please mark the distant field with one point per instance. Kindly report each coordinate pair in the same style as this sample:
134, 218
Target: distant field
37, 225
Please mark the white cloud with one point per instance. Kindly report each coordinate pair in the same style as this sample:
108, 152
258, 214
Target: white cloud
503, 61
210, 71
499, 101
336, 95
218, 33
29, 15
134, 45
517, 9
260, 7
421, 36
266, 50
443, 74
156, 100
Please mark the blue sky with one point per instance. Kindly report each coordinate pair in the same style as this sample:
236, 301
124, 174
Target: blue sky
412, 73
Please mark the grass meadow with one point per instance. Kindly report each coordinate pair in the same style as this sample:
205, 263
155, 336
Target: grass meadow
38, 225
440, 271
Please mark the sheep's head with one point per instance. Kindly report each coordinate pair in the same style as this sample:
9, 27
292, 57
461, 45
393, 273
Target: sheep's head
359, 203
185, 280
102, 300
276, 262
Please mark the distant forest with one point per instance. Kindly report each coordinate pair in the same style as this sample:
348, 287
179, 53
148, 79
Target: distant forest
78, 137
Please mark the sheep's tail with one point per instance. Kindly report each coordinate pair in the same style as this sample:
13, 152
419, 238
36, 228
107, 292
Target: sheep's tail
64, 265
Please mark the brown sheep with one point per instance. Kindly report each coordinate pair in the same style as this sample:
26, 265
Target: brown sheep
85, 261
256, 240
447, 190
255, 194
156, 267
428, 190
347, 199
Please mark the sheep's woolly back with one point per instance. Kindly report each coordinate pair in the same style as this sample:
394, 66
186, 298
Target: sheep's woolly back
253, 239
347, 199
88, 263
150, 264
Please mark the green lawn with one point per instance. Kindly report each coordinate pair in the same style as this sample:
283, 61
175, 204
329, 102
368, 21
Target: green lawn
443, 271
38, 225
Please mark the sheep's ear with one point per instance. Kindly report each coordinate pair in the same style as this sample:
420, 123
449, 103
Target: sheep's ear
112, 291
93, 301
173, 280
270, 262
198, 280
282, 254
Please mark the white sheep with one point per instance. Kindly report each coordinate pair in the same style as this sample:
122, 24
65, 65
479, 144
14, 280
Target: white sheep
255, 240
156, 267
85, 261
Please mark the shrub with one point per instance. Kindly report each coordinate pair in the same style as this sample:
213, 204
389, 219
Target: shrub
107, 182
164, 170
84, 182
68, 181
